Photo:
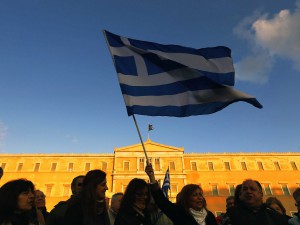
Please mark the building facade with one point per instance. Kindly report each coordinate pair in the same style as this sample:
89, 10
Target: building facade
217, 173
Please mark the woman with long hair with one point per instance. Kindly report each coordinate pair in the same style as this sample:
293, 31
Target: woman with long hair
133, 208
190, 208
17, 203
90, 207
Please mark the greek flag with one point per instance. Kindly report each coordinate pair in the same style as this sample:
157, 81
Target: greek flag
166, 185
172, 80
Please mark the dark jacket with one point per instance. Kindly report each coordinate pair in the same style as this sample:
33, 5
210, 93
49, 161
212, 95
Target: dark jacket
177, 213
132, 217
241, 215
25, 218
75, 216
57, 214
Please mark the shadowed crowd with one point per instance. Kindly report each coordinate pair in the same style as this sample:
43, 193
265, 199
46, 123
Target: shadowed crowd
142, 203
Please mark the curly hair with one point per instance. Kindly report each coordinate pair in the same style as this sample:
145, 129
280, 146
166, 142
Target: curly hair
184, 196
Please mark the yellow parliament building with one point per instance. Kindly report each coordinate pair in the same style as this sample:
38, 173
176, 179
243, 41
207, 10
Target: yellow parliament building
217, 173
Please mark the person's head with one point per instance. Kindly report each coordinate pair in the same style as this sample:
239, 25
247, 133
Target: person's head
116, 201
191, 196
39, 199
1, 172
16, 196
229, 202
276, 205
178, 197
136, 195
237, 194
95, 184
251, 194
92, 195
296, 195
76, 184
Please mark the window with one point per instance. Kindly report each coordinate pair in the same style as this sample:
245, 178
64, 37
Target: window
243, 165
172, 166
104, 166
37, 167
267, 189
285, 190
215, 191
19, 167
293, 164
231, 189
194, 166
227, 165
157, 164
210, 166
126, 166
53, 167
87, 166
49, 189
260, 166
141, 164
174, 188
3, 165
66, 190
277, 167
70, 167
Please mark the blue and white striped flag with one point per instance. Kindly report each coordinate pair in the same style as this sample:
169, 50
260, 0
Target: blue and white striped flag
172, 80
166, 184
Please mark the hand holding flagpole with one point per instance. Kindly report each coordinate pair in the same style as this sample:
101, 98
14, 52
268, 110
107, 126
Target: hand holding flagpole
150, 172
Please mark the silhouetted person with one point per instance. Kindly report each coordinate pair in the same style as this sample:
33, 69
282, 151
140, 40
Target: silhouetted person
17, 203
133, 209
1, 172
296, 218
276, 205
90, 206
56, 215
251, 210
230, 202
40, 202
114, 206
190, 208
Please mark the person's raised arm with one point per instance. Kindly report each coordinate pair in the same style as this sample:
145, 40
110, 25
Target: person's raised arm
150, 172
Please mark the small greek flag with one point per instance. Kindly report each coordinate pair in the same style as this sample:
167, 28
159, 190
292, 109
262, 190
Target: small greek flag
150, 127
166, 184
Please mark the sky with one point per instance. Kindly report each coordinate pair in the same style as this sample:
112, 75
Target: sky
59, 91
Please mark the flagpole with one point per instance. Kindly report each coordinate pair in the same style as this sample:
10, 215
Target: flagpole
148, 131
138, 130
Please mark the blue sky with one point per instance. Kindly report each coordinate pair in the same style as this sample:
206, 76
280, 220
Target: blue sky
59, 91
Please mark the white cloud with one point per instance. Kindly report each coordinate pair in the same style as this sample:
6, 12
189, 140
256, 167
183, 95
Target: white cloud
3, 133
254, 68
73, 139
271, 39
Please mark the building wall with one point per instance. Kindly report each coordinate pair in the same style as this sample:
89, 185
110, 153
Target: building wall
216, 173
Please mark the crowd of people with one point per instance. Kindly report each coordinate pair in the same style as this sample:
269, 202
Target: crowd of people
142, 203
